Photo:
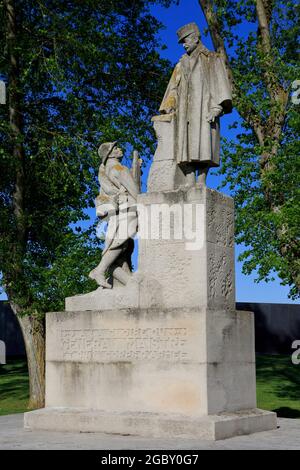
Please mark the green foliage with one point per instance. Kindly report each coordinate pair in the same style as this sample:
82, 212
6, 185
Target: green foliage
89, 72
267, 197
67, 273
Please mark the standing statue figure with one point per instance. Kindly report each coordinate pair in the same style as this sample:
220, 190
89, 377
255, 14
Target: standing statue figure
198, 93
116, 204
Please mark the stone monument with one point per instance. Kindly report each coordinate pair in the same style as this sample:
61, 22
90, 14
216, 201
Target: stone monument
161, 352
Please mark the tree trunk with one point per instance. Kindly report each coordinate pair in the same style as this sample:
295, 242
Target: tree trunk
33, 330
34, 338
31, 325
16, 130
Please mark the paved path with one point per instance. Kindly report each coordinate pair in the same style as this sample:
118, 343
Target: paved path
13, 436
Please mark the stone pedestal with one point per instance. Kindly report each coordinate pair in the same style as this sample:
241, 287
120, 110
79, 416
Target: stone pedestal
186, 255
174, 372
167, 355
187, 250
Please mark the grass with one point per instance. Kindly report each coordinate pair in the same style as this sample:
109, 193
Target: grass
14, 387
278, 386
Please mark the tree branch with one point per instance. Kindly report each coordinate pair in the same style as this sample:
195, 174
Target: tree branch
263, 21
16, 128
215, 32
264, 14
247, 112
279, 96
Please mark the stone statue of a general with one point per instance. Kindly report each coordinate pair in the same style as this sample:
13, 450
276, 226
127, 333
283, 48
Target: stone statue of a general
199, 92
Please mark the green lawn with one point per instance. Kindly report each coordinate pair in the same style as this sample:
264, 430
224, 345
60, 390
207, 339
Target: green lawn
13, 387
278, 386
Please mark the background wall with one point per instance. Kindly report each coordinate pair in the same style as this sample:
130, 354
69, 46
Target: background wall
276, 327
10, 332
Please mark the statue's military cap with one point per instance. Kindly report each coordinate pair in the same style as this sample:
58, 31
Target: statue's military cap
187, 30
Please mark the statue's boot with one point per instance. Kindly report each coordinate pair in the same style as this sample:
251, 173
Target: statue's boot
99, 277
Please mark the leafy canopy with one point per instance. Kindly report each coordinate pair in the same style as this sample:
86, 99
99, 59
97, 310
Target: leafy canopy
261, 166
88, 72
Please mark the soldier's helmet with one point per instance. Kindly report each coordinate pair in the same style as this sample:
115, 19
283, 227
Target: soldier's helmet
105, 150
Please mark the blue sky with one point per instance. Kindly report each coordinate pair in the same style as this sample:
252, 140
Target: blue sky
173, 18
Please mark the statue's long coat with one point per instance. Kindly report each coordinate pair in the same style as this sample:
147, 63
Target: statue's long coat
198, 85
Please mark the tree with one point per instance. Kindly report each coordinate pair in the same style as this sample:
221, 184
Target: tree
78, 73
258, 40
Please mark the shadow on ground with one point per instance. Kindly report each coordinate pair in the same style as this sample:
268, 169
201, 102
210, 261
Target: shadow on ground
285, 412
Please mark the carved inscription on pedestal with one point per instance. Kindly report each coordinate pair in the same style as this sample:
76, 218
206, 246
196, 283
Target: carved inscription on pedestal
125, 344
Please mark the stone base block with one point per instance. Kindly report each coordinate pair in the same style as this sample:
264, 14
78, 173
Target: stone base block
151, 372
186, 255
214, 427
106, 299
191, 362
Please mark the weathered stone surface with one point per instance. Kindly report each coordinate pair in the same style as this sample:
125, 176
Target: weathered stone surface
198, 94
123, 361
169, 355
119, 297
173, 271
151, 360
116, 204
148, 373
13, 437
184, 273
163, 169
151, 425
183, 372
